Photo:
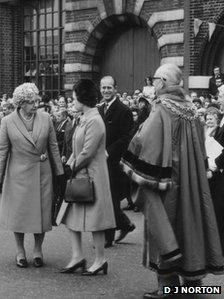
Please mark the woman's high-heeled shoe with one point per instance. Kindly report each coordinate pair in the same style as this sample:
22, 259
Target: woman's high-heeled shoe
21, 262
38, 262
103, 268
81, 264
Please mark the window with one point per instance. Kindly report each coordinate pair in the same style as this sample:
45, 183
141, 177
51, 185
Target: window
43, 45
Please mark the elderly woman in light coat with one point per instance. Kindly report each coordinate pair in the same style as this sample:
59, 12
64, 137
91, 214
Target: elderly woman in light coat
27, 139
89, 152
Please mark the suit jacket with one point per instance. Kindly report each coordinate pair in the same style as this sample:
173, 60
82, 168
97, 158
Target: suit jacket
60, 132
67, 142
119, 124
27, 189
213, 89
219, 136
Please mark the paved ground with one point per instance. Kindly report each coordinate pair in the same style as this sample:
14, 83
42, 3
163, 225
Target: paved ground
126, 278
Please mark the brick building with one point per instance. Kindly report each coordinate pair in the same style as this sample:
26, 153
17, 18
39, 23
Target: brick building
55, 42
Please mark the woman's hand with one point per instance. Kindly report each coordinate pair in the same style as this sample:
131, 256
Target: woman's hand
68, 171
72, 164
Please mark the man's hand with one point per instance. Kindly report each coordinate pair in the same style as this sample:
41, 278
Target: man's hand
68, 172
209, 174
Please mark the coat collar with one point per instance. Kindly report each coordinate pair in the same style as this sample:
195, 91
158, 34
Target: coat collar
112, 107
87, 115
21, 127
90, 112
175, 93
37, 126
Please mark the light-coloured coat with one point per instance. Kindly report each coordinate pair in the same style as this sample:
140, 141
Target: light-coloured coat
27, 189
89, 141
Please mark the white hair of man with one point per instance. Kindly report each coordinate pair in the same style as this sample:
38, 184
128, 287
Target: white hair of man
169, 73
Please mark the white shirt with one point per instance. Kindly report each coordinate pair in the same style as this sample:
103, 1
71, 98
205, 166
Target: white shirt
110, 103
213, 149
222, 122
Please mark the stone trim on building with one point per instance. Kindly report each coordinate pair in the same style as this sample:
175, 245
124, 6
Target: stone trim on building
138, 7
111, 13
80, 67
172, 38
165, 16
86, 4
178, 60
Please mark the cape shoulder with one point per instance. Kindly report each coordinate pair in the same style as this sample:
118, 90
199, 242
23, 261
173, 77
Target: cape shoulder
183, 110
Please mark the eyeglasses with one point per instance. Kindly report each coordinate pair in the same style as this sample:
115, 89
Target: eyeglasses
161, 78
32, 102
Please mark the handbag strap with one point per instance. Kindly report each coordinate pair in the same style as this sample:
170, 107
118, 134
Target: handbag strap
73, 175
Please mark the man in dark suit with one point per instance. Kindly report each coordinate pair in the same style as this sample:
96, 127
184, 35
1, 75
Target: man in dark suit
213, 88
59, 189
217, 178
67, 143
60, 128
119, 123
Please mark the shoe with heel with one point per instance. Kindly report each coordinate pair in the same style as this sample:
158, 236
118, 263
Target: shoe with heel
103, 268
81, 264
21, 262
38, 262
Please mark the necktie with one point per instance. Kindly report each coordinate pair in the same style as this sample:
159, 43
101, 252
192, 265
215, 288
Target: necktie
105, 108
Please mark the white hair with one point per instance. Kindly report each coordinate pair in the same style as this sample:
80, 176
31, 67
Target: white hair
171, 74
25, 93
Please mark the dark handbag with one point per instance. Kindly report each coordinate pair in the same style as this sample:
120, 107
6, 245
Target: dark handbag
80, 190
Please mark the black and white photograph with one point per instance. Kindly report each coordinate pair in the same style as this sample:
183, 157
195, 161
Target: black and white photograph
111, 149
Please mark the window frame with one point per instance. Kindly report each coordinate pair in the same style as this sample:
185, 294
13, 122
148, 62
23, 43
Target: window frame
28, 60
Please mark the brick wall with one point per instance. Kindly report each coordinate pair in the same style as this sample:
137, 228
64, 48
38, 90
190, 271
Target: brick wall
208, 11
87, 22
10, 48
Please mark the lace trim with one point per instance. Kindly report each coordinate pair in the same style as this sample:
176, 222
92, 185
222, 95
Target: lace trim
188, 113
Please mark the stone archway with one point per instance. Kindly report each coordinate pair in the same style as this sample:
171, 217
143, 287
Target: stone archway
123, 47
84, 35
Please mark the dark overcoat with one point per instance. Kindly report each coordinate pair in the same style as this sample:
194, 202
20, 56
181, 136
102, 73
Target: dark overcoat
60, 133
119, 123
67, 143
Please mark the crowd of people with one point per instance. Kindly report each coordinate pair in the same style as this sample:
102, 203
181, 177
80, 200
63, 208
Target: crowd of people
158, 146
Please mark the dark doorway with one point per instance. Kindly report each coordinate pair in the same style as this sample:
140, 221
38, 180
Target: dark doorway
129, 55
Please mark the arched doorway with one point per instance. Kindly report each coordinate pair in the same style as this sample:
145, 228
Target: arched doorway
128, 53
